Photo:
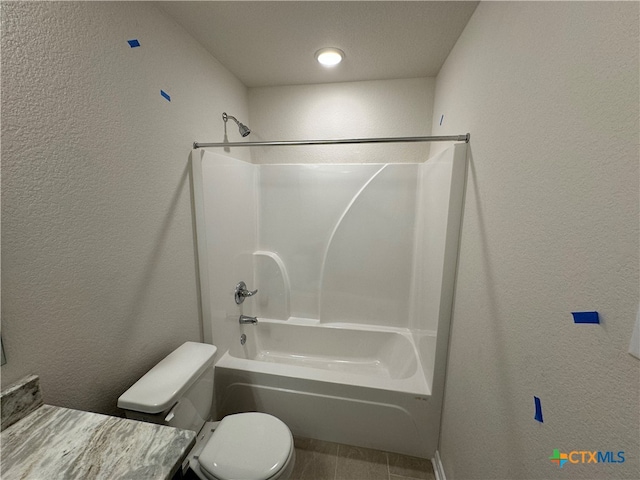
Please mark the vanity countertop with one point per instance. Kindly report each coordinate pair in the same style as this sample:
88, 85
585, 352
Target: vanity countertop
59, 443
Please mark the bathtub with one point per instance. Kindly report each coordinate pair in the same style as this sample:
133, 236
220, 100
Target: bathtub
338, 382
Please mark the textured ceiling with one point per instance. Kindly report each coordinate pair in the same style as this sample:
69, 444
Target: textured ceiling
273, 43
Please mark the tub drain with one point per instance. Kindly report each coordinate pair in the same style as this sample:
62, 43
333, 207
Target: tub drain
243, 339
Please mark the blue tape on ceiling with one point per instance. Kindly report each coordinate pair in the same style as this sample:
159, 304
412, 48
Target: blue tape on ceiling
538, 415
133, 43
585, 317
165, 95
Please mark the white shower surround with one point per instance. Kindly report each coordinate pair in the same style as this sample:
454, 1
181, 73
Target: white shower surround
354, 264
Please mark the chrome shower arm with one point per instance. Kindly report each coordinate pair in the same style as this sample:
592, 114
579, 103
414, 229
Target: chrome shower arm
225, 117
244, 130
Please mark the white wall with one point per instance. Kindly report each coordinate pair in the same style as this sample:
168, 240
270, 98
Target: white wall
381, 108
549, 92
98, 263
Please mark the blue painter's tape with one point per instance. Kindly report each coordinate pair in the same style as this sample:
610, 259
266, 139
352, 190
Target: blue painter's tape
585, 317
165, 95
441, 118
133, 43
538, 415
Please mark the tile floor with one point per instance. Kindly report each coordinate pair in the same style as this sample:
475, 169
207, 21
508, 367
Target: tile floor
318, 460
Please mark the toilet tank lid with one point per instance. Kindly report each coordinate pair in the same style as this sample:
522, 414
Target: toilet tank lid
162, 386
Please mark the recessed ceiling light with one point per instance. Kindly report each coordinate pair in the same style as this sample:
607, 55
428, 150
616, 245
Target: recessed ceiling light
329, 57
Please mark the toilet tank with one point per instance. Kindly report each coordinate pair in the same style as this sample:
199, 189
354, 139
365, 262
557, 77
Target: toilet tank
177, 392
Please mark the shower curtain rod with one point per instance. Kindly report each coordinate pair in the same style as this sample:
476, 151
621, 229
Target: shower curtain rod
446, 138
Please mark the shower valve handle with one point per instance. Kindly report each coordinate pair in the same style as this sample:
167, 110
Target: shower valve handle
241, 292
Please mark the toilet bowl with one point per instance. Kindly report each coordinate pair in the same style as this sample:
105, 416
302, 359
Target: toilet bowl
245, 446
178, 392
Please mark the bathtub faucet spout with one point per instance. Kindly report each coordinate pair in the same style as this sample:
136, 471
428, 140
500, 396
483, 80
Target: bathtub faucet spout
245, 320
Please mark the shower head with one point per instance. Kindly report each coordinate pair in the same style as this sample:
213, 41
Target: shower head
244, 130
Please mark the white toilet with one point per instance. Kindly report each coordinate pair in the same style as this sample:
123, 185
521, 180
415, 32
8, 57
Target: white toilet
178, 392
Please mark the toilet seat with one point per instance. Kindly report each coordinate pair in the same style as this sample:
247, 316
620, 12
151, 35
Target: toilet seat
252, 446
